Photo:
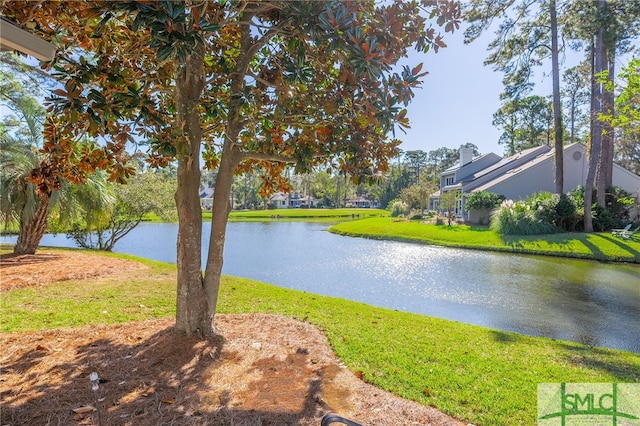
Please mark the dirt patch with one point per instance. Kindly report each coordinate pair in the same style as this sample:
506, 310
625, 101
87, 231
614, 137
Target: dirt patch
261, 370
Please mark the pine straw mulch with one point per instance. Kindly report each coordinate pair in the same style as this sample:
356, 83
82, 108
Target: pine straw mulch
47, 266
261, 370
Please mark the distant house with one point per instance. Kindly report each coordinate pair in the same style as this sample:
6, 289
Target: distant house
361, 202
206, 198
521, 175
293, 200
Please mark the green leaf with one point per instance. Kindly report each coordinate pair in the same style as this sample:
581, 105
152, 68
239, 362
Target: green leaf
137, 23
209, 27
164, 52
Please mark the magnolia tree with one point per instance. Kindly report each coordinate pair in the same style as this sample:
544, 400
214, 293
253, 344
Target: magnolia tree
232, 85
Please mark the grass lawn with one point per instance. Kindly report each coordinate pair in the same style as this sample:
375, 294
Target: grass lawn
481, 375
300, 214
598, 246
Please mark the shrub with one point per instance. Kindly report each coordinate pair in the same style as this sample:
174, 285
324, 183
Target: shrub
543, 206
545, 213
519, 218
430, 214
619, 203
484, 202
566, 212
603, 219
398, 208
616, 214
392, 202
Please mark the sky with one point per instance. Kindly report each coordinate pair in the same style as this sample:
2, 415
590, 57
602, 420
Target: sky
457, 100
460, 95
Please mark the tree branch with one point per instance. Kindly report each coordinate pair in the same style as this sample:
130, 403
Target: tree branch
261, 80
261, 156
9, 61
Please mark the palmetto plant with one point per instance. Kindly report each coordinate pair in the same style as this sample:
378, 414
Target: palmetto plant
20, 138
21, 201
17, 159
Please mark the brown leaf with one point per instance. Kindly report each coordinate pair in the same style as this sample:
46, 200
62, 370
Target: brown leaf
60, 92
426, 391
359, 374
169, 400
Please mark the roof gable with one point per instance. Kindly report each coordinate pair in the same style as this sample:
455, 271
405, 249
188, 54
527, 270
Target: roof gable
503, 167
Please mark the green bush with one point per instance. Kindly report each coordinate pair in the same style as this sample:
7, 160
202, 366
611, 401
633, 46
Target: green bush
615, 215
391, 203
398, 208
483, 202
619, 204
543, 206
518, 218
546, 213
603, 219
567, 212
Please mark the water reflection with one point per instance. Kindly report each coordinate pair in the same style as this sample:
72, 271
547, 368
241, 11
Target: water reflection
583, 301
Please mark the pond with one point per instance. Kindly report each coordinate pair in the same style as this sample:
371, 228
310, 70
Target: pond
584, 301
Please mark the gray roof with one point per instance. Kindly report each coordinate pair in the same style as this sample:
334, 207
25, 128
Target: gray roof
508, 163
475, 160
509, 173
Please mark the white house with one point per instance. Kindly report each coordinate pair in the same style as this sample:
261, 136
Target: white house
519, 176
293, 200
362, 203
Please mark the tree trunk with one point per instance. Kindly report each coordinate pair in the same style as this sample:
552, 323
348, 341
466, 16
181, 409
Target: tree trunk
33, 227
224, 180
220, 216
192, 316
608, 139
596, 128
557, 113
573, 120
605, 162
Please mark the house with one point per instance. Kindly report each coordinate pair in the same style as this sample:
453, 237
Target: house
521, 175
206, 198
293, 200
361, 202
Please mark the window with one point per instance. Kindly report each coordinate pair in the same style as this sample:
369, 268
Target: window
448, 181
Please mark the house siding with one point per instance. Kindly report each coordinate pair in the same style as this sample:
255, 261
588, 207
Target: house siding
529, 172
626, 180
523, 183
